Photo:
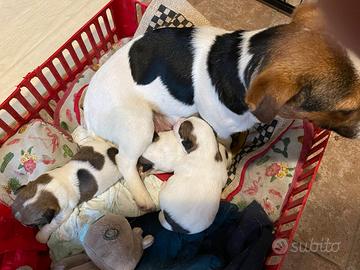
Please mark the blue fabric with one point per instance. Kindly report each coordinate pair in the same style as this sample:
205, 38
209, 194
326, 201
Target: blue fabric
85, 229
235, 240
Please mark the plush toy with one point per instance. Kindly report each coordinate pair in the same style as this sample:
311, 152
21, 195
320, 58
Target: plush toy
111, 244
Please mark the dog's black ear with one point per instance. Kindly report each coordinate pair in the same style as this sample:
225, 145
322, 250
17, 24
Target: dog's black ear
188, 138
49, 214
188, 145
18, 189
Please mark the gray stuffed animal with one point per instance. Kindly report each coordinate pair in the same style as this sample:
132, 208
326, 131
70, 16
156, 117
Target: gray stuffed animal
111, 244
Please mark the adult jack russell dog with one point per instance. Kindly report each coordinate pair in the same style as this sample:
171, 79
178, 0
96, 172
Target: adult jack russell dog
232, 79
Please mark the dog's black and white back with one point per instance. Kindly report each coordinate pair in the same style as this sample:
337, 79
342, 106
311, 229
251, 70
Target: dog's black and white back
165, 71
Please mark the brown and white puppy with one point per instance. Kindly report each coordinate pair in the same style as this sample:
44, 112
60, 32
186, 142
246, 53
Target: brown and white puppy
50, 199
189, 200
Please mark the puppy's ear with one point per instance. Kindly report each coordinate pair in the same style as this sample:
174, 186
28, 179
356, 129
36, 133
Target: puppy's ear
268, 93
188, 139
16, 192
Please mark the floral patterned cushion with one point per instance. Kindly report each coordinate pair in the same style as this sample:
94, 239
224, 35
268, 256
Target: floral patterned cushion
36, 148
68, 112
267, 173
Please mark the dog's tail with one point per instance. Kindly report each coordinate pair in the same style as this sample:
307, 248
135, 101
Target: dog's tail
170, 224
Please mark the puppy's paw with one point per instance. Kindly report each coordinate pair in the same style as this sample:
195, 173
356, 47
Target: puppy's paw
42, 237
146, 205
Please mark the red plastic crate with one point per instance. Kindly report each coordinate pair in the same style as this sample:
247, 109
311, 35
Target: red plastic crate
124, 16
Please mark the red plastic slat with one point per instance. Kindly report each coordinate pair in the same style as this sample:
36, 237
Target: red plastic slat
306, 174
321, 136
284, 234
92, 42
295, 203
311, 161
34, 92
13, 113
74, 56
65, 65
99, 32
317, 148
49, 110
44, 81
107, 27
25, 103
5, 126
54, 72
272, 267
83, 49
287, 219
300, 188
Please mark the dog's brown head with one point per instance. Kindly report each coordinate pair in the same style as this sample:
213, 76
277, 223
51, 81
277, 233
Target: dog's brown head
34, 206
308, 75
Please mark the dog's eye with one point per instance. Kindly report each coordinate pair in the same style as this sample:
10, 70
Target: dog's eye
47, 217
346, 113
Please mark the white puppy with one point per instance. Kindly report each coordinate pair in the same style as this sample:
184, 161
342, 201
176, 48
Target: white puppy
50, 199
189, 200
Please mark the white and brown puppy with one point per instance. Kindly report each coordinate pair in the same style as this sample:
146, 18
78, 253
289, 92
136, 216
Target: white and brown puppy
190, 199
232, 79
50, 199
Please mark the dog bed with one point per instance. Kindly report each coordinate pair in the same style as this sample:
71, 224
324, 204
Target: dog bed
263, 169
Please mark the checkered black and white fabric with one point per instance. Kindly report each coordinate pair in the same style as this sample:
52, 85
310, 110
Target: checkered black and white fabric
165, 17
263, 133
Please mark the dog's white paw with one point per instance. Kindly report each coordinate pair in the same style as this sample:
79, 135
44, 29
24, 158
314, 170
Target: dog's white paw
145, 204
42, 237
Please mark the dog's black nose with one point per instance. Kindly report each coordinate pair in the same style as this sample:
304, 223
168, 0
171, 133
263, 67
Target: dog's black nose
144, 164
